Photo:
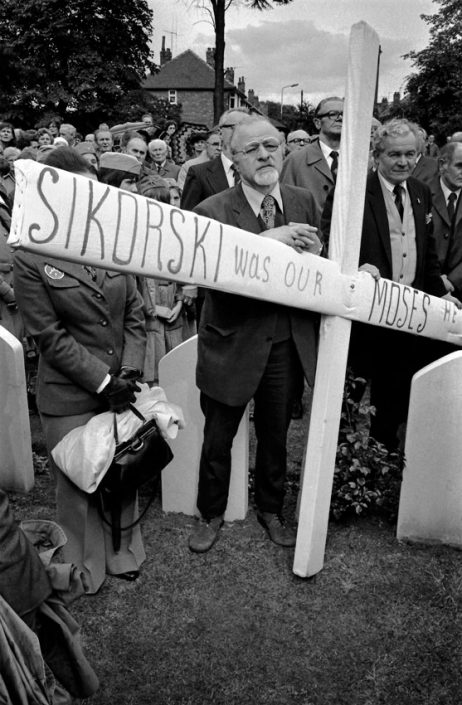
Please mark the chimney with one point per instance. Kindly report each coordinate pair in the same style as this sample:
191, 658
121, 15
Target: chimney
210, 57
165, 54
229, 74
251, 97
241, 84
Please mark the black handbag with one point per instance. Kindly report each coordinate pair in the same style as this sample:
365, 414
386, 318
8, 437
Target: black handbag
135, 462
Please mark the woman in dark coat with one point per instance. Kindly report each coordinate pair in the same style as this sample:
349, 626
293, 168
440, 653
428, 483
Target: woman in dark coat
89, 329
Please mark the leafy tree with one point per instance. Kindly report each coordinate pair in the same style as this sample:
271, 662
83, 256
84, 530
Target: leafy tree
217, 10
435, 89
78, 57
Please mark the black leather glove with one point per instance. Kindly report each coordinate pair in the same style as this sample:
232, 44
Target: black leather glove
120, 393
129, 373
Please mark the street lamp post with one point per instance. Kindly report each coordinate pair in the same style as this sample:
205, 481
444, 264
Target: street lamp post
289, 85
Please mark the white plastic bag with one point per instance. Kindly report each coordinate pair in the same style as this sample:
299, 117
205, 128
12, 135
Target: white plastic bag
86, 452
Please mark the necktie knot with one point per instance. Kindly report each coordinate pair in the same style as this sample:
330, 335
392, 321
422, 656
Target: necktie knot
398, 191
268, 211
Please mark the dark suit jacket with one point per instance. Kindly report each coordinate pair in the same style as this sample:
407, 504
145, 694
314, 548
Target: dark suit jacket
375, 240
307, 168
83, 329
448, 246
236, 333
202, 181
426, 169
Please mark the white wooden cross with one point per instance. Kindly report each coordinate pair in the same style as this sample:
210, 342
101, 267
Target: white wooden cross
70, 217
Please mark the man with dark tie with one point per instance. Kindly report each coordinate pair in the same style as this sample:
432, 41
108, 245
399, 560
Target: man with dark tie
249, 348
447, 216
396, 244
314, 167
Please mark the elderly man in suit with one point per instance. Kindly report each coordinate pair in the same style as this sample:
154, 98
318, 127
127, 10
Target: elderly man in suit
253, 349
160, 163
447, 216
396, 244
315, 166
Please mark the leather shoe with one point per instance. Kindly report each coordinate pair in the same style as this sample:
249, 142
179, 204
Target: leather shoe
204, 534
130, 575
277, 529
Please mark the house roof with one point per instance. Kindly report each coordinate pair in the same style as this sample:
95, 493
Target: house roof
187, 71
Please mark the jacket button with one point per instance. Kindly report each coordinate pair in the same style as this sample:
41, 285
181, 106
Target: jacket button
103, 322
98, 296
404, 254
110, 351
446, 235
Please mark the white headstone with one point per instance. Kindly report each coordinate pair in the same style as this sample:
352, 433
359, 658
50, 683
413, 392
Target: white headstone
16, 467
177, 372
430, 508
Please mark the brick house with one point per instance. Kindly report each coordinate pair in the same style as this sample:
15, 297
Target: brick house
189, 80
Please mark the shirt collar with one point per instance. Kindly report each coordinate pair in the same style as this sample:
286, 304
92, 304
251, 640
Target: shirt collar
446, 191
388, 185
227, 163
326, 150
255, 198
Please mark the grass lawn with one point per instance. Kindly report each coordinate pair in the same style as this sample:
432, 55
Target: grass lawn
380, 625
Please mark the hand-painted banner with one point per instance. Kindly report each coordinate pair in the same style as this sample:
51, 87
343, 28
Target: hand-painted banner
63, 215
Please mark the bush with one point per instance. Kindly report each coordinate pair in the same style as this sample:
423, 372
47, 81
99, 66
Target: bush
367, 476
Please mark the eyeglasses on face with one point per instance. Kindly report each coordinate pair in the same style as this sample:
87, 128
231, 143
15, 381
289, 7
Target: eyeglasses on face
230, 125
299, 140
271, 144
332, 115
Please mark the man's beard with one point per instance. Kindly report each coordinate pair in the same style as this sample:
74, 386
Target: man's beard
268, 177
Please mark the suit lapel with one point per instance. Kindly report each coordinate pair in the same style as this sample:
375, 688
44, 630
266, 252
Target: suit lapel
315, 158
439, 202
216, 176
243, 213
418, 208
293, 210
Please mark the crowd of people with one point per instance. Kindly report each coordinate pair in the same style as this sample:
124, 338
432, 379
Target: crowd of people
246, 173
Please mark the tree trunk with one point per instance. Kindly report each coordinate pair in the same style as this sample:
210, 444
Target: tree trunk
218, 93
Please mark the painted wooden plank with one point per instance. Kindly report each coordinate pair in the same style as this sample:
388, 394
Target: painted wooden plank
345, 239
16, 468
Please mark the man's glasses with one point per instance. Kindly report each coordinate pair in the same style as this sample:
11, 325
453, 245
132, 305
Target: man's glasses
230, 125
299, 140
271, 144
332, 115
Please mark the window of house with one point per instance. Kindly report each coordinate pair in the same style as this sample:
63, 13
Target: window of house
232, 101
172, 97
